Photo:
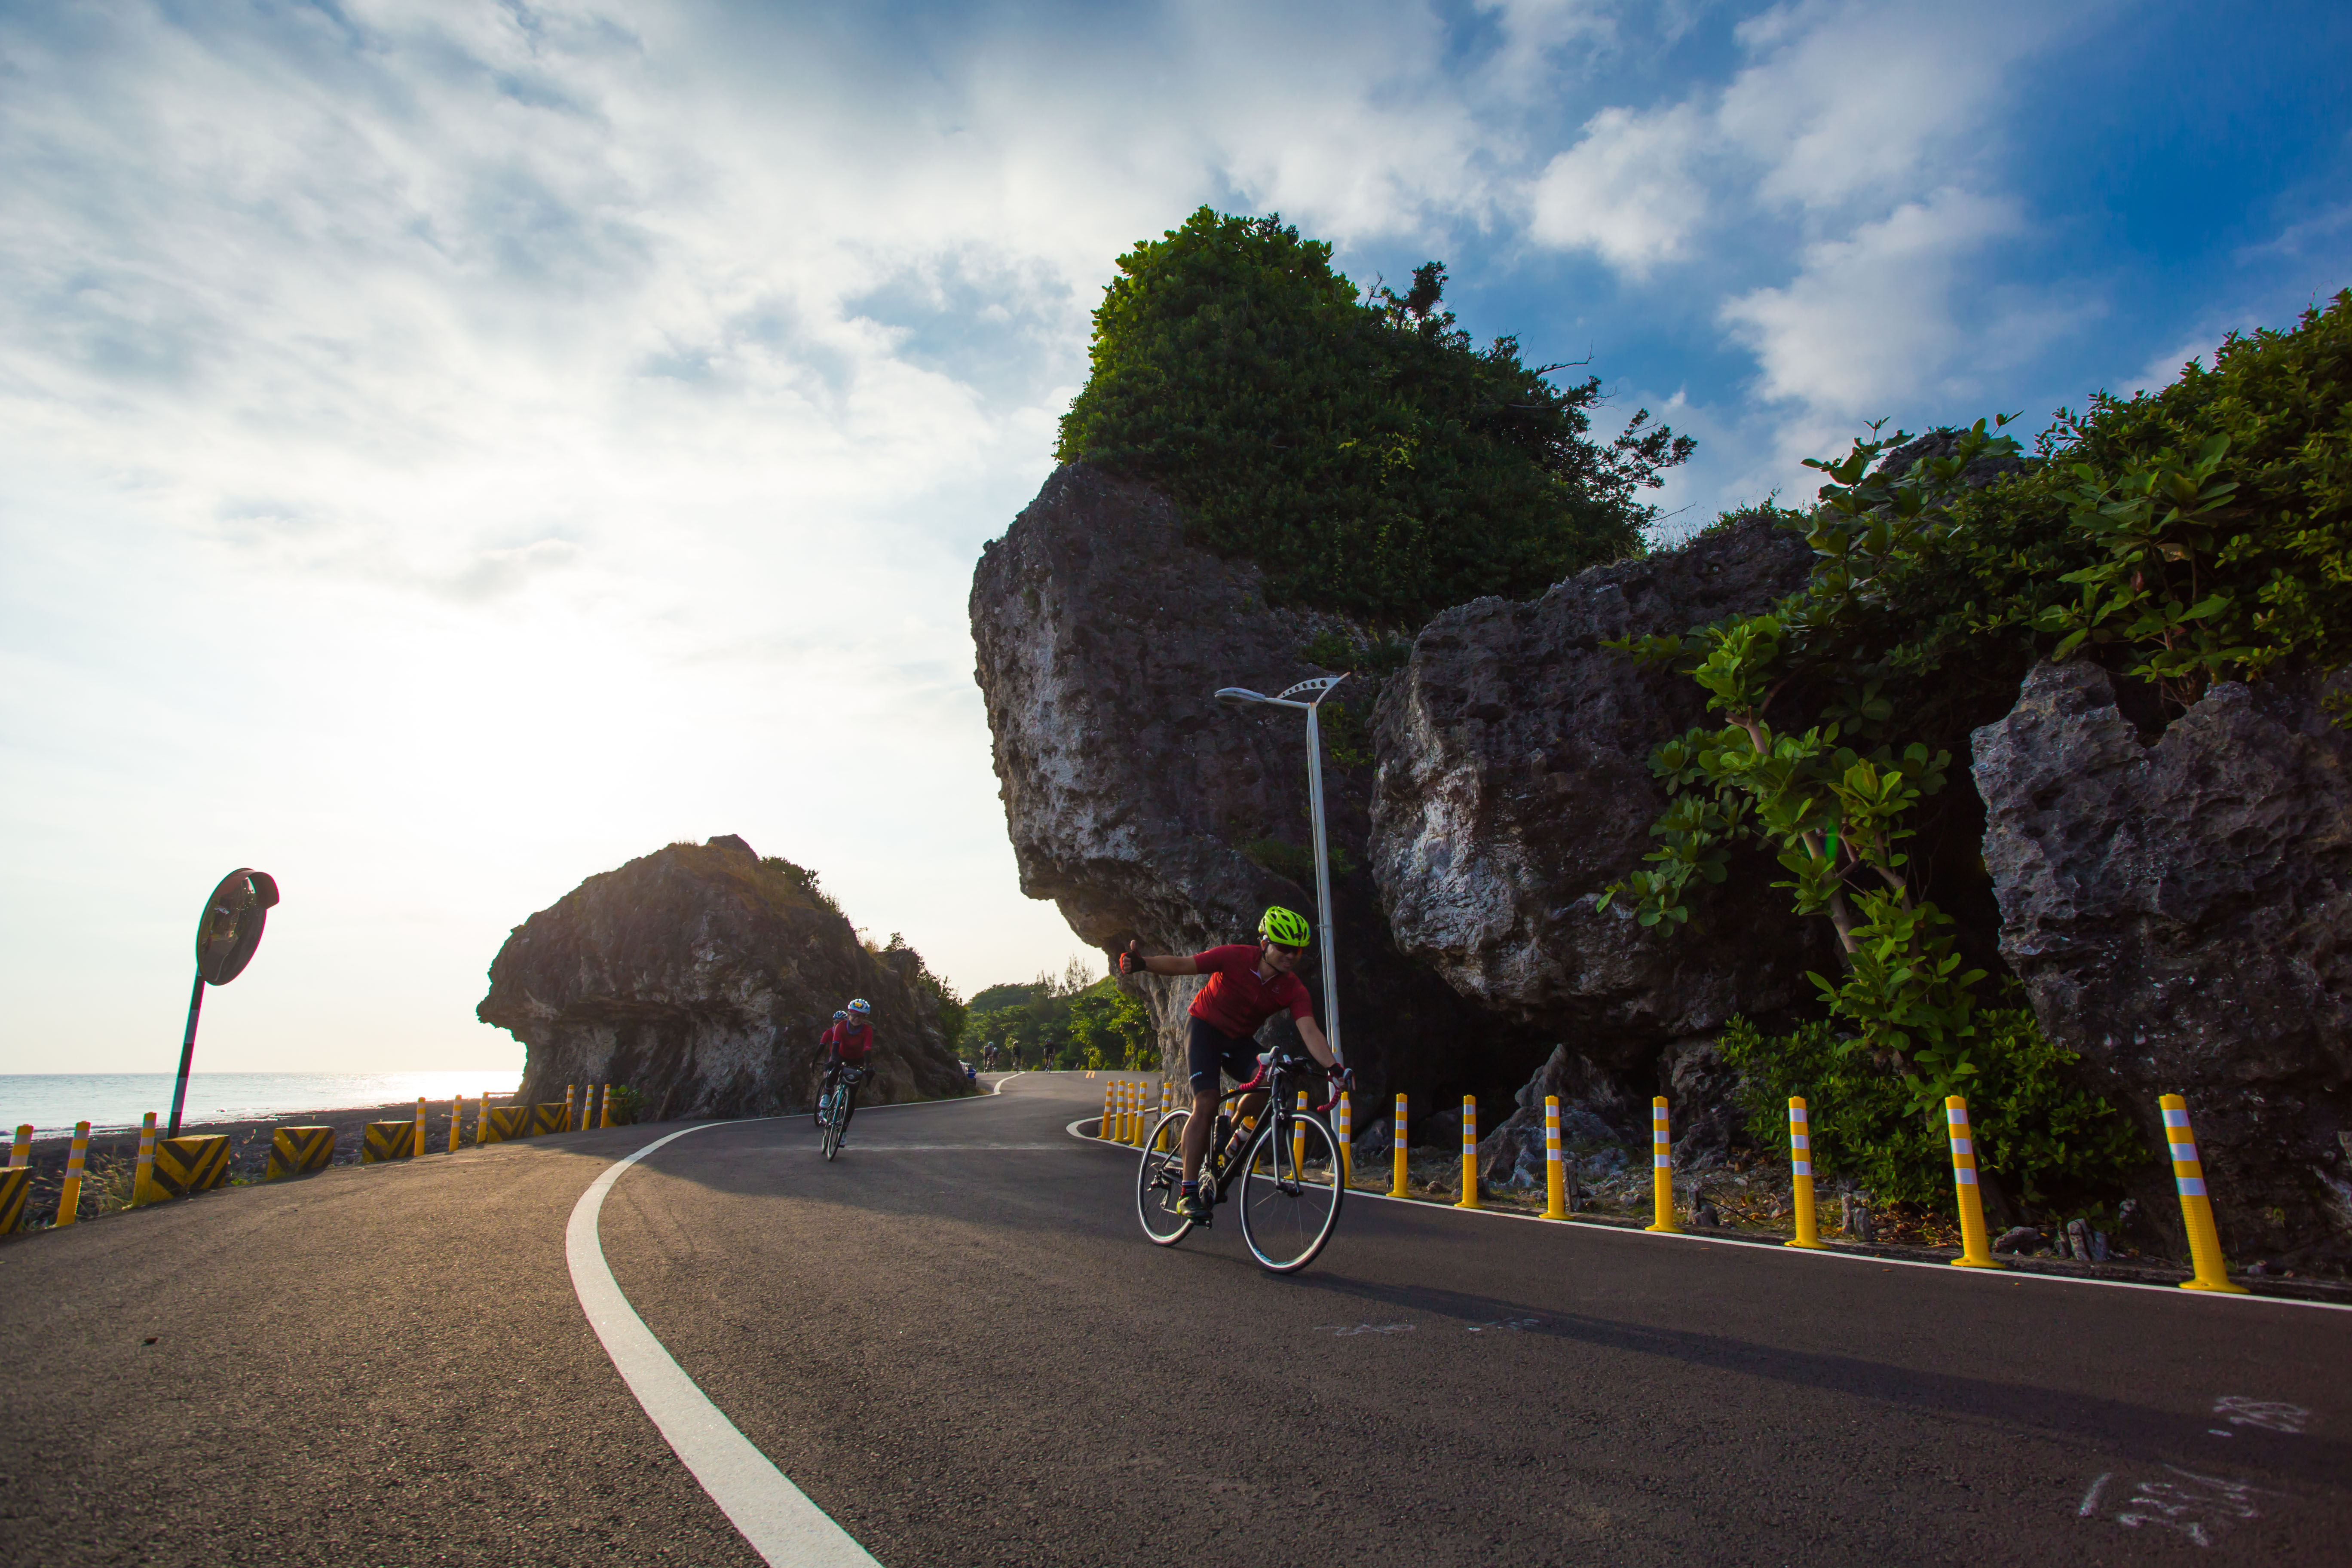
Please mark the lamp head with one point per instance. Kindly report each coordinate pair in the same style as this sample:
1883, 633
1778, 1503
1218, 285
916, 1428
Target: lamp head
1239, 697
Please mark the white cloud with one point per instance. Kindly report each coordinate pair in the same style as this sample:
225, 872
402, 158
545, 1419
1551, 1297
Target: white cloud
1858, 99
540, 432
1870, 321
1628, 190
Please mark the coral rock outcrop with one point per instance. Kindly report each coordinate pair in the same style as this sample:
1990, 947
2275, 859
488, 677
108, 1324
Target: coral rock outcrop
2179, 909
1514, 788
1146, 811
701, 976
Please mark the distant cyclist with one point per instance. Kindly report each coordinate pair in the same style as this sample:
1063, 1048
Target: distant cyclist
1246, 986
845, 1046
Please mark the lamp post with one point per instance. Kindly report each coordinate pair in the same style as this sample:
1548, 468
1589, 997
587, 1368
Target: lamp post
1314, 691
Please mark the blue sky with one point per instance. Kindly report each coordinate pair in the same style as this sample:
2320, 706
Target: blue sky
451, 449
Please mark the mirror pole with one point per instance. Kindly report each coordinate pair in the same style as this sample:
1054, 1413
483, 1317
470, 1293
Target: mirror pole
187, 1054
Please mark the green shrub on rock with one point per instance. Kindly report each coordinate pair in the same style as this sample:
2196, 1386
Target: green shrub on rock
2041, 1138
2198, 533
1360, 450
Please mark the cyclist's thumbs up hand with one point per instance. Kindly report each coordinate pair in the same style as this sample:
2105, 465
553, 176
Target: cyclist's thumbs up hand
1130, 962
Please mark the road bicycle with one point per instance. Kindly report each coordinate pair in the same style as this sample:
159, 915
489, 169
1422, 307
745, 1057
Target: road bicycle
835, 1106
1285, 1164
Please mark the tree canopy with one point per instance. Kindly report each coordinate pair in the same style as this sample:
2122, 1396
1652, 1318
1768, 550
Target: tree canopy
1359, 449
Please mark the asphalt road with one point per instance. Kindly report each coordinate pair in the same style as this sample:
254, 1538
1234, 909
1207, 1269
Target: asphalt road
958, 1342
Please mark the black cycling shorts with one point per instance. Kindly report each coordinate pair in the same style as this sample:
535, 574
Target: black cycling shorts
1212, 1051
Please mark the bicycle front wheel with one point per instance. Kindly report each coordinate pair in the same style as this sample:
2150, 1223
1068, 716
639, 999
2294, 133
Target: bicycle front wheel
832, 1141
1159, 1181
1291, 1186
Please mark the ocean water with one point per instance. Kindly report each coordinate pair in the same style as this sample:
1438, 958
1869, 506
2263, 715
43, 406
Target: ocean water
54, 1101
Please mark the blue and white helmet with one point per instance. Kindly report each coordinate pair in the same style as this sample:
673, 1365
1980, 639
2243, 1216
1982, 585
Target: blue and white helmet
839, 1017
859, 1007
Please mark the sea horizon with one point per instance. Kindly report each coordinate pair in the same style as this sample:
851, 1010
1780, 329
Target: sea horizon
114, 1102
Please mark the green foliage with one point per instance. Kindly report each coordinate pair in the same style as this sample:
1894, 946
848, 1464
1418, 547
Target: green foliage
1064, 1021
1362, 452
2186, 535
1295, 861
1345, 740
1373, 657
953, 1014
997, 997
1769, 508
626, 1103
2043, 1138
798, 881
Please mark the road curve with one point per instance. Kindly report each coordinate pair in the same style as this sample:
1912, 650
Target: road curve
957, 1343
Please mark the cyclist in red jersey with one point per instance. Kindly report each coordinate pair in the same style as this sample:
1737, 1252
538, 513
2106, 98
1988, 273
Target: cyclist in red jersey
1246, 986
846, 1045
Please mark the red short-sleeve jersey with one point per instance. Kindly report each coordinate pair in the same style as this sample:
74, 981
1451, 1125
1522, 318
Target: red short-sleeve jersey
1236, 1000
853, 1041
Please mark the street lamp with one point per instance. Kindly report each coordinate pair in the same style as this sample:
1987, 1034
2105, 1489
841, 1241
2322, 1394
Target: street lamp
1316, 689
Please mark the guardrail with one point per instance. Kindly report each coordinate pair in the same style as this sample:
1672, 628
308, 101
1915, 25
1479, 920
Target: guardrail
1126, 1120
168, 1168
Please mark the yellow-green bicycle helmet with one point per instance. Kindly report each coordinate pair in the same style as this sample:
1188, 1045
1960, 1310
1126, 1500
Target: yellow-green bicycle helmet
1285, 926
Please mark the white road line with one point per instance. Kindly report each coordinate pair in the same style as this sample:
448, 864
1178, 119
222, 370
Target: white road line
776, 1517
860, 1146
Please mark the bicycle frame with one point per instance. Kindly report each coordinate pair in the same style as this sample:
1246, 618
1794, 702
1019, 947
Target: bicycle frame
1276, 1083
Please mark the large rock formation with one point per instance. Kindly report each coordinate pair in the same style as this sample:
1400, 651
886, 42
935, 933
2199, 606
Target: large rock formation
702, 975
1515, 785
2179, 909
1145, 810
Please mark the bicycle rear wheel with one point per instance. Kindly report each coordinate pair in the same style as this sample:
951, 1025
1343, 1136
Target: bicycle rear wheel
1159, 1181
1290, 1190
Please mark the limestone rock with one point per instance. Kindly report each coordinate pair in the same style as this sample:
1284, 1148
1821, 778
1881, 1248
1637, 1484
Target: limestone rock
1514, 786
1145, 810
701, 976
2179, 913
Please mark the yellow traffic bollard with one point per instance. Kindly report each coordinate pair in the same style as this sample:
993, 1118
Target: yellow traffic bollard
69, 1200
1974, 1253
571, 1121
20, 1152
1134, 1114
142, 1175
2196, 1207
1345, 1130
417, 1148
1555, 1167
607, 1118
457, 1118
1396, 1185
1662, 1170
1800, 1175
1109, 1090
1298, 1136
1469, 1199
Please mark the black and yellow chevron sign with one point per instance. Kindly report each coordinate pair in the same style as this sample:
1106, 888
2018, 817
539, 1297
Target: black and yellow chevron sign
186, 1166
504, 1123
296, 1151
553, 1117
15, 1185
387, 1140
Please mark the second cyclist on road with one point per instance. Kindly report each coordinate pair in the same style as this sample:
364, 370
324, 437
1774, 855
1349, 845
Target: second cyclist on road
846, 1045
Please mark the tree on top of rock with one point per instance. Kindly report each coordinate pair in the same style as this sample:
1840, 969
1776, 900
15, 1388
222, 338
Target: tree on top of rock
1360, 449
